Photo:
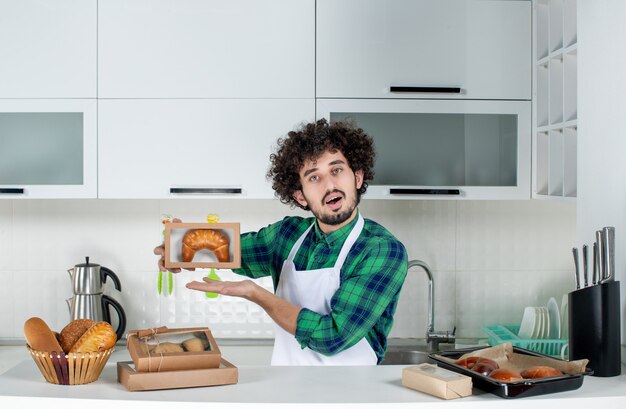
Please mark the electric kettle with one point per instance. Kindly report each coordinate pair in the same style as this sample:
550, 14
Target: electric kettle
89, 302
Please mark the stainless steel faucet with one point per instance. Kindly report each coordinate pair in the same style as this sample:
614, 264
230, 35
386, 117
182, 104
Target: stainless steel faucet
433, 338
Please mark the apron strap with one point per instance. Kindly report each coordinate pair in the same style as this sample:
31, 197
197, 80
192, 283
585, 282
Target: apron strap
298, 243
347, 245
345, 249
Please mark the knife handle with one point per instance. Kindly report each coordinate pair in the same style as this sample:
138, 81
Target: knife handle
600, 244
608, 234
596, 265
576, 267
585, 266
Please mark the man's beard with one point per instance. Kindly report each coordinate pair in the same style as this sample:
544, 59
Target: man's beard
334, 219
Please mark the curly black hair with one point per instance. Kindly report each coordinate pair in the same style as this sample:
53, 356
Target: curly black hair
309, 142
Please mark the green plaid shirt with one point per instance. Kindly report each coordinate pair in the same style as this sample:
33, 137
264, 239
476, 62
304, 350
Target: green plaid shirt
371, 278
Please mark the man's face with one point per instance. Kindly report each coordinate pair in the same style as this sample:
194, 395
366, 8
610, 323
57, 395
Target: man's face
329, 189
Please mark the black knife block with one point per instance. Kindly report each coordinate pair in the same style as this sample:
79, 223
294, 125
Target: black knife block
594, 327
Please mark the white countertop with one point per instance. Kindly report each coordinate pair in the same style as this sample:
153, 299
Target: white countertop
263, 386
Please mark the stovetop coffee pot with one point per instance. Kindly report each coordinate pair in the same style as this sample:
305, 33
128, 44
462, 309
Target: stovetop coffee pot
89, 302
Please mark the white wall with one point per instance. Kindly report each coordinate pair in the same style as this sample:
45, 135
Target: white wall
489, 259
602, 127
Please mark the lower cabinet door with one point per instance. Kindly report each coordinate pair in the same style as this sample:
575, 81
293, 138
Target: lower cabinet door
196, 148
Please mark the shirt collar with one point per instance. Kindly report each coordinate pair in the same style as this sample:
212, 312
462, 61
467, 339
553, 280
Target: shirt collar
337, 236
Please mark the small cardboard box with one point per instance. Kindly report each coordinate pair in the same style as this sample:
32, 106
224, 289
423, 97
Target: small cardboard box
226, 374
203, 257
163, 349
436, 381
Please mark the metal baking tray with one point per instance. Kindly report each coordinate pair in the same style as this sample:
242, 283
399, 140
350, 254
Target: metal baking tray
519, 389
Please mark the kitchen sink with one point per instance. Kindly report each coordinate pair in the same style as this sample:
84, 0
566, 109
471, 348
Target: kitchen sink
405, 357
409, 352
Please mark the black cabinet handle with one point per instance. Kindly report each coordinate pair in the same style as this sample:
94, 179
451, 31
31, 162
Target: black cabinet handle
435, 90
205, 190
12, 190
425, 192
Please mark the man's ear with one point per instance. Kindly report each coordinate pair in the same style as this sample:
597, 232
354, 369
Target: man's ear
358, 176
300, 199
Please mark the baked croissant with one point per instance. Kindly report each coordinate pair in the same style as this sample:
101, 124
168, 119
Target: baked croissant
198, 239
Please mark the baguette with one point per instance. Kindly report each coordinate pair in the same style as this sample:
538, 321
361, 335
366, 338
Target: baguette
40, 337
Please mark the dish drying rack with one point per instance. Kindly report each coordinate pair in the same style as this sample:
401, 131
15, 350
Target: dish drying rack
499, 334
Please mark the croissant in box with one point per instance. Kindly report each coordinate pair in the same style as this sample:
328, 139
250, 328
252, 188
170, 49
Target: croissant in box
198, 239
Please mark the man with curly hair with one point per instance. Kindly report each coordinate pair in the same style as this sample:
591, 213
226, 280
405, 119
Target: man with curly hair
337, 276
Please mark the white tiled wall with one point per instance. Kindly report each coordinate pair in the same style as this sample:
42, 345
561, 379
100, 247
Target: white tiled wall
489, 260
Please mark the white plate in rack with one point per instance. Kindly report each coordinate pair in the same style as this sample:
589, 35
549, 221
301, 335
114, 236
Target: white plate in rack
544, 323
555, 319
527, 326
564, 317
538, 323
547, 324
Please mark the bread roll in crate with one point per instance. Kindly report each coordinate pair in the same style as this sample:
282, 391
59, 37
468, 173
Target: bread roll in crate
74, 356
168, 349
202, 245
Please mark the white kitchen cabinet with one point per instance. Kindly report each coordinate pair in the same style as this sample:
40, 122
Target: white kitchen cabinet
555, 102
48, 48
169, 148
48, 148
472, 49
206, 49
443, 149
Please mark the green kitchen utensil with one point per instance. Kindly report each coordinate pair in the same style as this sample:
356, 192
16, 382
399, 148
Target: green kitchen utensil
165, 218
212, 218
212, 276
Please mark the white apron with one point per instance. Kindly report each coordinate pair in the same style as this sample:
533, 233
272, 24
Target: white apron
313, 289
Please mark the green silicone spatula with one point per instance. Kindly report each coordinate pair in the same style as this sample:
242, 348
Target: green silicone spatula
212, 276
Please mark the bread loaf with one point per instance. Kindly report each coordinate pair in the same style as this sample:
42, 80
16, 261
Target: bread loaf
467, 362
485, 366
73, 331
167, 348
193, 345
505, 375
540, 372
40, 337
198, 239
99, 337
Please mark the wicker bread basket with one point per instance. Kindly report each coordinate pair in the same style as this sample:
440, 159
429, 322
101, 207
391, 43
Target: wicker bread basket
74, 368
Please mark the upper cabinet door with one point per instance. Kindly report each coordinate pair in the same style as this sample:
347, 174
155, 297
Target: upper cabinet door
443, 149
200, 148
48, 48
206, 49
474, 49
48, 148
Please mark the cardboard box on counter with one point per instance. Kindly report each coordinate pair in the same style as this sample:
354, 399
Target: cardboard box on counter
226, 374
204, 248
163, 349
436, 381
